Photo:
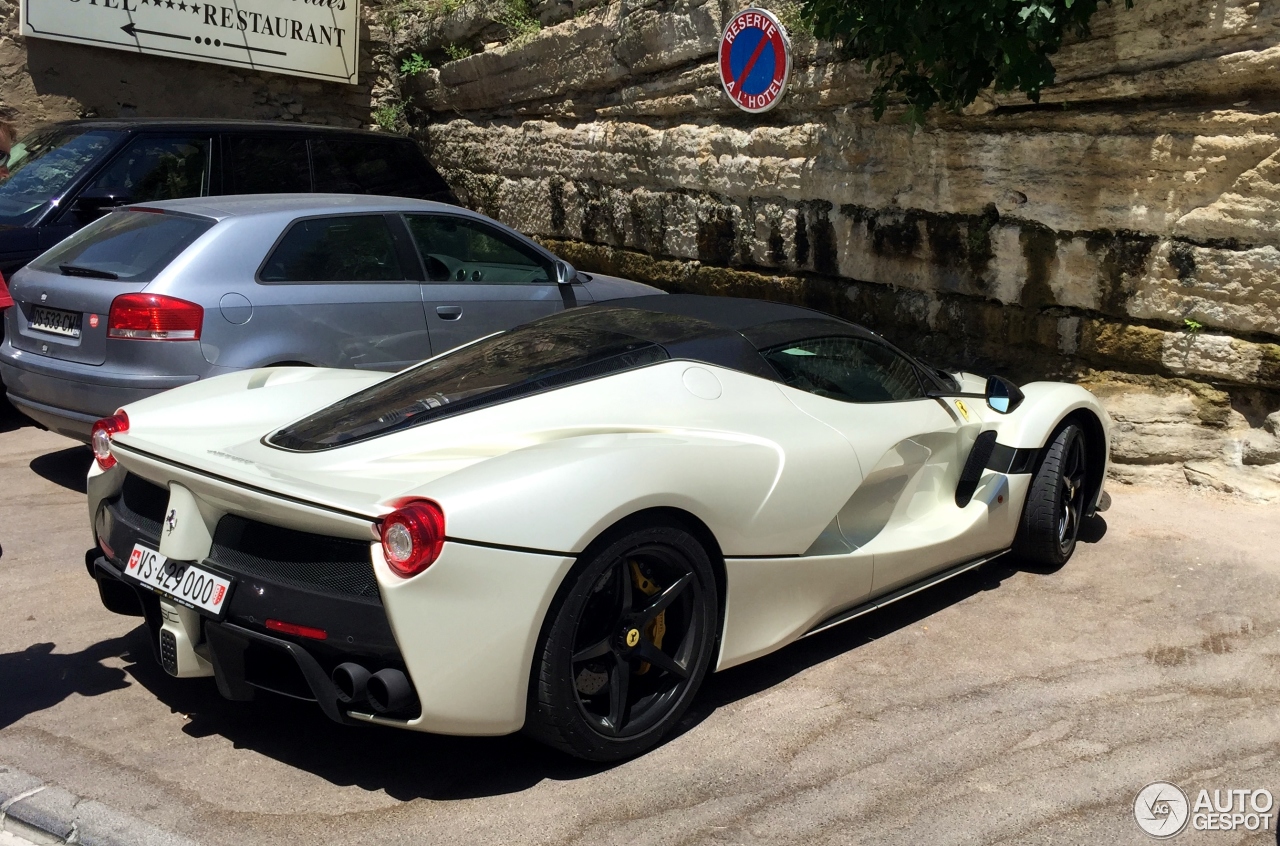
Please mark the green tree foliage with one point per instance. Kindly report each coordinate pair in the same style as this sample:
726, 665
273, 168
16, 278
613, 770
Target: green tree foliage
944, 52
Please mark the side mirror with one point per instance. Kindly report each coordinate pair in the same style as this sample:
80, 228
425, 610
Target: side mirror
1002, 395
565, 274
94, 202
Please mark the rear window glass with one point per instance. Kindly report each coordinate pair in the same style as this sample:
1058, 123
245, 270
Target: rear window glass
549, 353
130, 245
354, 248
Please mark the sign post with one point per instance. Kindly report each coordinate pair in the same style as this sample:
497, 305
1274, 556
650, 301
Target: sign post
755, 60
313, 38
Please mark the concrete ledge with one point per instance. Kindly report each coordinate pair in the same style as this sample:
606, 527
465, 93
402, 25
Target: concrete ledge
47, 814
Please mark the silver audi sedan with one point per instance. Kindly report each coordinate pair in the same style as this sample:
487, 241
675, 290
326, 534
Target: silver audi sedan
152, 297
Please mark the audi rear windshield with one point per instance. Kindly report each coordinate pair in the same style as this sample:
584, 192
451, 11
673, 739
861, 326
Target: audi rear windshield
567, 348
127, 244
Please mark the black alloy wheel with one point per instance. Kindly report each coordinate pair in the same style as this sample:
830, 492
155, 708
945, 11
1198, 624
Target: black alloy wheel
1071, 497
1055, 505
626, 647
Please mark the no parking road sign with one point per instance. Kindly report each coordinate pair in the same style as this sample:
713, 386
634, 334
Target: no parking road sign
755, 60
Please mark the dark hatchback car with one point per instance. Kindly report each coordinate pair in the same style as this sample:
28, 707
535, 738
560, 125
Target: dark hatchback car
63, 176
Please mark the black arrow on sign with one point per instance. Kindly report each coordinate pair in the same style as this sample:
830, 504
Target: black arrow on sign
132, 31
255, 49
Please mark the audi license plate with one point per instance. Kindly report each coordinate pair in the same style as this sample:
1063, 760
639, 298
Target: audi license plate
56, 321
183, 582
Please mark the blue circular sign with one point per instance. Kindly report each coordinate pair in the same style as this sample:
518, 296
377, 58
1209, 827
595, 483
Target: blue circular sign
755, 60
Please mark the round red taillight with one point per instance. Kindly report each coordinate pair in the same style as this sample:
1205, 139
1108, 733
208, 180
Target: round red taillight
412, 537
101, 435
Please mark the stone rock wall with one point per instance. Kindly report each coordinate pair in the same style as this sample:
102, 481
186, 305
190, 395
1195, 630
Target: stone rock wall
1123, 232
43, 80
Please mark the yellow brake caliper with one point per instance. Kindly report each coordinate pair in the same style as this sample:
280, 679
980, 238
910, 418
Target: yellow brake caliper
657, 629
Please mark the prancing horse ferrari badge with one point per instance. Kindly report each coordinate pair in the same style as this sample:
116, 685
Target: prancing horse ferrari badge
633, 637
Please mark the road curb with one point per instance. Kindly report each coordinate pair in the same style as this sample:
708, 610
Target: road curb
46, 814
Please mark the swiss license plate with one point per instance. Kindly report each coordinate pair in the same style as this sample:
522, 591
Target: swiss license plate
180, 581
56, 321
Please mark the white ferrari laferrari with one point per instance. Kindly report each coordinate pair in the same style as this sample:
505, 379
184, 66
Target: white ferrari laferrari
564, 527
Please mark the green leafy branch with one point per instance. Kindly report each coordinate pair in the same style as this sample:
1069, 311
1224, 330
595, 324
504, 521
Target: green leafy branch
456, 51
945, 52
388, 116
414, 64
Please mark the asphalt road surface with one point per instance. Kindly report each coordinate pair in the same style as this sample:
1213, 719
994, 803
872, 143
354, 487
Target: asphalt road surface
1004, 707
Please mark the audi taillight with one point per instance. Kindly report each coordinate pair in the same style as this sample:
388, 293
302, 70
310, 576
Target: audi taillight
154, 317
103, 431
412, 537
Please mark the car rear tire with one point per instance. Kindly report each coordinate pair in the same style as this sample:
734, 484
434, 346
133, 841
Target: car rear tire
626, 645
1055, 502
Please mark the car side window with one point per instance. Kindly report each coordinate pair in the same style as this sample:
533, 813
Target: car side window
461, 250
373, 167
265, 164
352, 248
157, 169
846, 369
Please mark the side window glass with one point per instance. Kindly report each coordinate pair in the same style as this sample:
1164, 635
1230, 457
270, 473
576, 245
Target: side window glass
357, 248
460, 250
364, 167
157, 169
846, 369
262, 164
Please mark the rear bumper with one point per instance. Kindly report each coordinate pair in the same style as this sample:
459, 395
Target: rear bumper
469, 661
233, 649
67, 397
464, 632
59, 420
238, 650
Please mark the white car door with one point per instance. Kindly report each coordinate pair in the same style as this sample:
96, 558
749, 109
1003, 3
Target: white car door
910, 447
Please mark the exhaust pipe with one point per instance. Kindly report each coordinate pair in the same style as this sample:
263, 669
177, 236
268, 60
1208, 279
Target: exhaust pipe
352, 681
389, 690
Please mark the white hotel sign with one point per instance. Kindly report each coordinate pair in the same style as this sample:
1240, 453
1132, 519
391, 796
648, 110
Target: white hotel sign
315, 38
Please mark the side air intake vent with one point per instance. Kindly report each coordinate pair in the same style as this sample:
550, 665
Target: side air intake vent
973, 467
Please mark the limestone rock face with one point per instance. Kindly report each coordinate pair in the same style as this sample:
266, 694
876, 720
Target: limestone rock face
1128, 224
1159, 424
1261, 486
1261, 448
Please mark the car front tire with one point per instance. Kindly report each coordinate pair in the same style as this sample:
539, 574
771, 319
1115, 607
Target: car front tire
626, 645
1055, 503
